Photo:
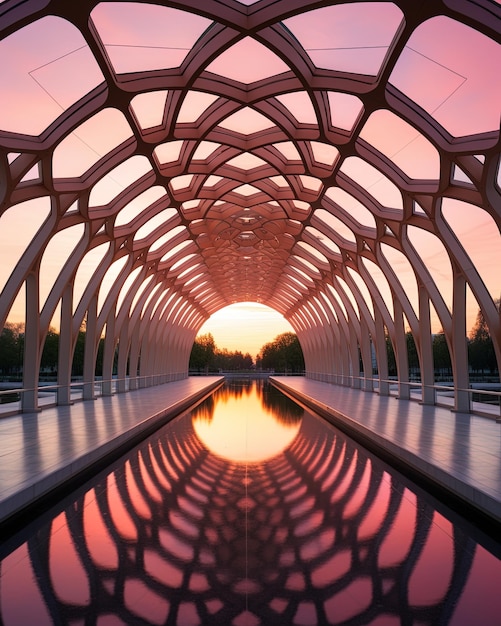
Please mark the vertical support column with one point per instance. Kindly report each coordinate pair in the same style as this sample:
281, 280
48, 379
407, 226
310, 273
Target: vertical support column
460, 349
31, 361
64, 357
365, 349
381, 354
109, 353
354, 358
134, 356
401, 355
123, 351
90, 350
425, 348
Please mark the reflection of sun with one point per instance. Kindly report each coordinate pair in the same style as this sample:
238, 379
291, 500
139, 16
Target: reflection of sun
243, 431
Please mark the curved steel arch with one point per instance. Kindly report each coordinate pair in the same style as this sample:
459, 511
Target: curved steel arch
276, 174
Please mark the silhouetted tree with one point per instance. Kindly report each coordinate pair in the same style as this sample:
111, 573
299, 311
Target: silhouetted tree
283, 354
11, 349
203, 353
50, 350
441, 356
412, 354
392, 364
480, 347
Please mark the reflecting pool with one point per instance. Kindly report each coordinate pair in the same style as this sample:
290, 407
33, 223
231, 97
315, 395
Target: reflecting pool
249, 510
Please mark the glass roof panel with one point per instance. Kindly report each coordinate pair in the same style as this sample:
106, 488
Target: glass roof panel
323, 240
289, 150
248, 61
337, 226
324, 153
168, 152
175, 250
246, 161
355, 209
181, 182
311, 183
49, 68
403, 144
194, 105
246, 122
345, 109
169, 236
204, 150
139, 37
447, 68
372, 180
148, 108
246, 190
300, 106
155, 222
309, 266
348, 37
313, 252
119, 179
139, 204
87, 144
32, 174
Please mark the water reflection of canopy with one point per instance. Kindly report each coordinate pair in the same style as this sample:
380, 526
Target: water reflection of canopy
160, 161
196, 536
254, 430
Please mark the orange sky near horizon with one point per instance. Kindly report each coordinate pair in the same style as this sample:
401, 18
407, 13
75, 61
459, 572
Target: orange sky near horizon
245, 327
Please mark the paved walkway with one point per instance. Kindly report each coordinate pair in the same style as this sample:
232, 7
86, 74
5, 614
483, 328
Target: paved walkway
459, 452
41, 451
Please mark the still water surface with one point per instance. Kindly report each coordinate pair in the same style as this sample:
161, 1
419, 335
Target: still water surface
249, 510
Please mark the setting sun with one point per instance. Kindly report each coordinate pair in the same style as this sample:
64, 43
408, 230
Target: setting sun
245, 326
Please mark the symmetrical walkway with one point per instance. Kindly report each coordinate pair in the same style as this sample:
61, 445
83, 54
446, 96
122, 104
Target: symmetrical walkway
459, 452
41, 451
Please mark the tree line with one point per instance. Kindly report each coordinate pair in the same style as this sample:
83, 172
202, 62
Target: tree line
12, 353
283, 354
481, 355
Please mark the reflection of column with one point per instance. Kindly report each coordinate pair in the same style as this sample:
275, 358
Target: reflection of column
176, 534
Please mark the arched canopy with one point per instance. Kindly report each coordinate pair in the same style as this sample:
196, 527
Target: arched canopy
336, 161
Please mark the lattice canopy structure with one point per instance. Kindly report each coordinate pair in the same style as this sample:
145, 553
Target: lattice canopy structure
336, 161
